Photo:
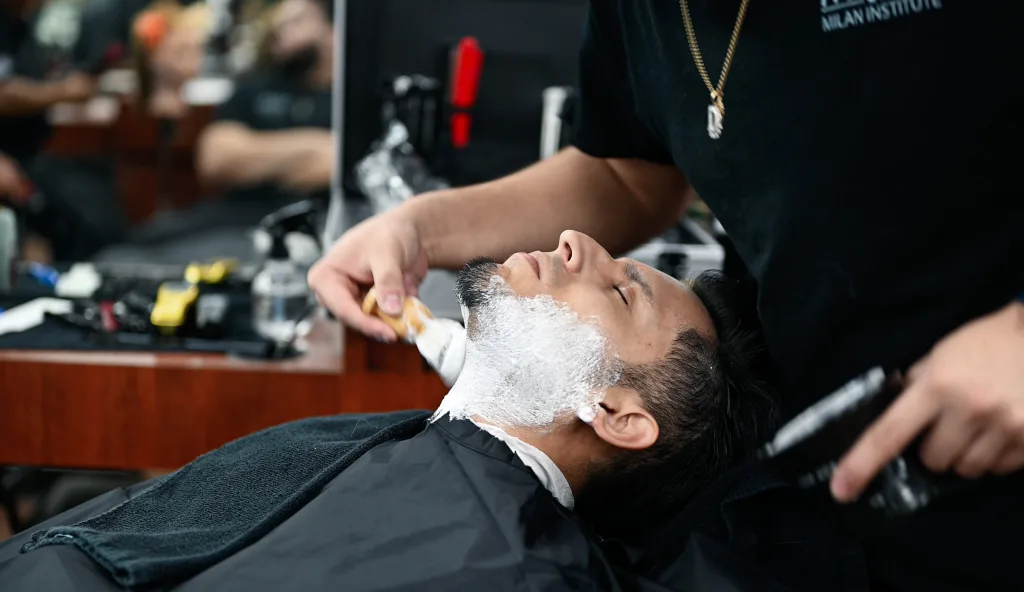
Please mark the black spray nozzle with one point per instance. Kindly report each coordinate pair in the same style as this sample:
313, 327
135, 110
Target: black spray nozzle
297, 217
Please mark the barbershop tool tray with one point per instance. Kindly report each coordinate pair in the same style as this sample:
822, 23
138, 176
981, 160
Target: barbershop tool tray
55, 334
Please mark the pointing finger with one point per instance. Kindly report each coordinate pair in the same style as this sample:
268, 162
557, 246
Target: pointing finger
882, 442
916, 371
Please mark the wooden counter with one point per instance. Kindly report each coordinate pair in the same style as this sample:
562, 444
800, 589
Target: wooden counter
142, 411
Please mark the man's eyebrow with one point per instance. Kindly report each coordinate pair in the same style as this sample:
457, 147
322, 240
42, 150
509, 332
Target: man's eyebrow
634, 274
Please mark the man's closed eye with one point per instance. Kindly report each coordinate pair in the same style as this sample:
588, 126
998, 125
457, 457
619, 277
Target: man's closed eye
622, 294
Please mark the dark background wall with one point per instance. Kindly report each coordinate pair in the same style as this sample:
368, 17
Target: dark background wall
529, 45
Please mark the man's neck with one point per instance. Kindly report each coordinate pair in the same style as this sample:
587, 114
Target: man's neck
556, 448
544, 469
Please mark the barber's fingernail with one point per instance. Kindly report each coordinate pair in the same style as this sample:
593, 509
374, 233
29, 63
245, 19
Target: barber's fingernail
840, 490
586, 414
391, 304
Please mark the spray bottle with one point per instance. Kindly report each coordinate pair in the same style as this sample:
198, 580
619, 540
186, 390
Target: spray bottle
8, 247
280, 293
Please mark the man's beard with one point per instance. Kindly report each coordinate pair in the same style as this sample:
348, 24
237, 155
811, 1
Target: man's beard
473, 284
530, 362
298, 65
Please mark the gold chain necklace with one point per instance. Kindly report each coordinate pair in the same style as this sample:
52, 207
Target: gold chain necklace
716, 110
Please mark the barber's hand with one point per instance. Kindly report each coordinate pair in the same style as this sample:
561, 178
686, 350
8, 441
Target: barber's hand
968, 393
385, 252
14, 187
77, 87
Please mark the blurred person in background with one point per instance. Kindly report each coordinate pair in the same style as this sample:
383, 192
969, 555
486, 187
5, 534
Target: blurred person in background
269, 145
271, 141
26, 89
169, 42
33, 78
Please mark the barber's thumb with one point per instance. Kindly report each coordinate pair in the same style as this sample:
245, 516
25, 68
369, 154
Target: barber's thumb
390, 292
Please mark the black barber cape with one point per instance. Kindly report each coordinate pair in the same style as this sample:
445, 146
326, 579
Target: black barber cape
450, 508
869, 177
389, 502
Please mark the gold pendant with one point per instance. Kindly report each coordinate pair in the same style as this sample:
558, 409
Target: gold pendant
716, 115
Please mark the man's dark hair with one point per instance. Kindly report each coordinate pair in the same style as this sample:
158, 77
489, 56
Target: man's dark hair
710, 397
472, 281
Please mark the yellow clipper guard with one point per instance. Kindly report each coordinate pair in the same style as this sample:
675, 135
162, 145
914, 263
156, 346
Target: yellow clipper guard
210, 273
173, 301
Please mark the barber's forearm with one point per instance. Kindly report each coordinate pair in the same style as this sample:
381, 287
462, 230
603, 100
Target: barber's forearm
313, 172
620, 203
20, 96
237, 156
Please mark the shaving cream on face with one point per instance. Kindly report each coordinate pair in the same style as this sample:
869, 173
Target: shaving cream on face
531, 362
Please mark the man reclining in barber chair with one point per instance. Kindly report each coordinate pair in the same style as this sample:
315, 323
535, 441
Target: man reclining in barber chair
591, 442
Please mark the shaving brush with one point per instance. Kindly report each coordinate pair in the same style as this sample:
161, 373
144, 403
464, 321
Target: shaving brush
442, 342
407, 326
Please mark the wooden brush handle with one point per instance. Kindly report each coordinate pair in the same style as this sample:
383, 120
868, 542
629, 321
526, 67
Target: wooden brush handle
409, 324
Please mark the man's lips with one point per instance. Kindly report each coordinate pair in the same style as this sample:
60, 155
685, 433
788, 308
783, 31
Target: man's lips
532, 261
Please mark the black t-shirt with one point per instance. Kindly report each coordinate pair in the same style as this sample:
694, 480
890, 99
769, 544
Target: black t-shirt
271, 103
20, 136
866, 175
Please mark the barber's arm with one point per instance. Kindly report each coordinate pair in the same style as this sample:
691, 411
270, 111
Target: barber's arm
232, 154
966, 396
619, 202
24, 96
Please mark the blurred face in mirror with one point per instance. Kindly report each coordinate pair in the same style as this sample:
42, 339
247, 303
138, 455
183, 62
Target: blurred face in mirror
171, 44
179, 55
299, 29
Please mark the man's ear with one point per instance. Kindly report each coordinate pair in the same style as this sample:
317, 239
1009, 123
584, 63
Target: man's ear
623, 422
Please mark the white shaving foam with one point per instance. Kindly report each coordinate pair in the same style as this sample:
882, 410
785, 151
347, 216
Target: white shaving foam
530, 362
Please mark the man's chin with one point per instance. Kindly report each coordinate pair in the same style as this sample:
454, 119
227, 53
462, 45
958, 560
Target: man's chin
501, 270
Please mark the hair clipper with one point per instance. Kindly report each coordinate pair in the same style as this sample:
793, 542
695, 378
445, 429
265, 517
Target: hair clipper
807, 449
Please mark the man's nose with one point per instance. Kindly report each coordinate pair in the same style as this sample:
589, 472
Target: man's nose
578, 251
